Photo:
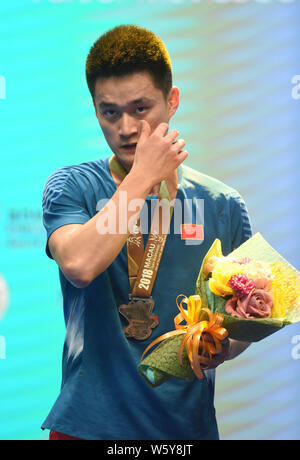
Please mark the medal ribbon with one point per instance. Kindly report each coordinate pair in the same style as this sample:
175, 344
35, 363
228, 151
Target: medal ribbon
196, 332
143, 263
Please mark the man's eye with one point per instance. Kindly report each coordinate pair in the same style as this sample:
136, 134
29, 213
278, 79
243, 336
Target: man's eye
140, 109
109, 113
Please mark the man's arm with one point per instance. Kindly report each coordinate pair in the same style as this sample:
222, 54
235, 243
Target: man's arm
81, 251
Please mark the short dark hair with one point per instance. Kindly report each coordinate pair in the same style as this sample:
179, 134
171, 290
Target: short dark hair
127, 49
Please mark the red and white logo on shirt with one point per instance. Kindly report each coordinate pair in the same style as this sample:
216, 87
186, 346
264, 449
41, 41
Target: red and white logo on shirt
192, 232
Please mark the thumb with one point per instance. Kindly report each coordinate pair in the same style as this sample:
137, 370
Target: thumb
145, 130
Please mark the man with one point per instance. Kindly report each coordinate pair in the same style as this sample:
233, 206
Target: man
102, 396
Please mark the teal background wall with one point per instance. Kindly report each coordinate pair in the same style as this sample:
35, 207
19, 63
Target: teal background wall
237, 65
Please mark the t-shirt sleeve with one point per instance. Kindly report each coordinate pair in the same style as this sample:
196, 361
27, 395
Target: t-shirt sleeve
240, 222
63, 203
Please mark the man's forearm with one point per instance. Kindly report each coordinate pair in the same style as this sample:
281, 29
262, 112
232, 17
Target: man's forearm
92, 247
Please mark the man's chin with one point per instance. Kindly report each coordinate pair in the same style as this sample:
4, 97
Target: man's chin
125, 162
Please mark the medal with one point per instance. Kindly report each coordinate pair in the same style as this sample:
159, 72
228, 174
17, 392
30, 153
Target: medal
138, 313
143, 264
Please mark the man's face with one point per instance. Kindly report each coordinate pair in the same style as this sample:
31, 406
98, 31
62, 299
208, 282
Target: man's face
122, 102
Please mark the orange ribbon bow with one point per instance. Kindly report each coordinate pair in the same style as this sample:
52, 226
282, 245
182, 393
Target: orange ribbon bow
194, 338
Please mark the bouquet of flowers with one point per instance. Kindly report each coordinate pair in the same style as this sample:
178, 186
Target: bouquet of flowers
248, 295
255, 289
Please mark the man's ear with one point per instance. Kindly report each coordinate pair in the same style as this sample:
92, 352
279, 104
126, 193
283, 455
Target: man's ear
173, 100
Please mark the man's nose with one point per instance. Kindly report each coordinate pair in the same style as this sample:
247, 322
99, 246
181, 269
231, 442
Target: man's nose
127, 125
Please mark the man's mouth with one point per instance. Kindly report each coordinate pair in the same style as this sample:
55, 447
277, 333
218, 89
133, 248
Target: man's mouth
131, 146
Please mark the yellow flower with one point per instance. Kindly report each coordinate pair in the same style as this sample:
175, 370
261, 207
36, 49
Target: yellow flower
285, 289
224, 269
255, 269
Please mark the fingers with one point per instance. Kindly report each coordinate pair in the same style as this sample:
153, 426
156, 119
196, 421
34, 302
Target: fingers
162, 129
163, 141
211, 363
181, 156
145, 130
179, 144
172, 135
217, 358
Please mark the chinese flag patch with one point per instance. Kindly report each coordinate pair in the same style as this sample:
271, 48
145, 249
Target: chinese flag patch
192, 232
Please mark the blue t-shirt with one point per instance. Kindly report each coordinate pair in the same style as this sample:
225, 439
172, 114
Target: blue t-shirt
102, 394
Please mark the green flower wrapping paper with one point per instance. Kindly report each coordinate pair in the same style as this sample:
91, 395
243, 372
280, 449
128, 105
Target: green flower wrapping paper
163, 363
254, 290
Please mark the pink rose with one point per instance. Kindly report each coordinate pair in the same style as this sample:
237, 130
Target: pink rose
263, 283
257, 304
